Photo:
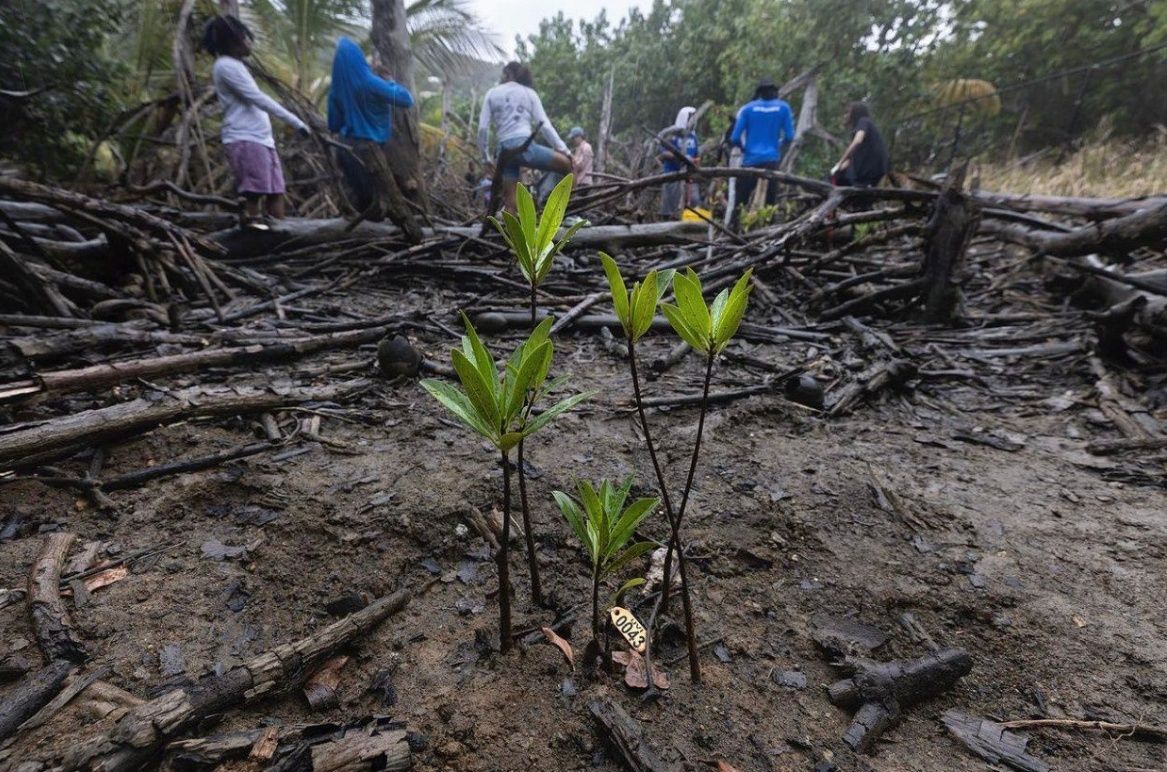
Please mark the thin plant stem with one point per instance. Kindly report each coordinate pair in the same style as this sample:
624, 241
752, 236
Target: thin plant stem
596, 605
674, 525
532, 563
529, 536
504, 574
690, 632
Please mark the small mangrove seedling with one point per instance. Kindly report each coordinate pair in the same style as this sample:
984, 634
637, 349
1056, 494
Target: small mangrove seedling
532, 240
599, 519
532, 237
498, 406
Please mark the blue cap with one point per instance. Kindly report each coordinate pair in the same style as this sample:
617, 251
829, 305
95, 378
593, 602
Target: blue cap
576, 131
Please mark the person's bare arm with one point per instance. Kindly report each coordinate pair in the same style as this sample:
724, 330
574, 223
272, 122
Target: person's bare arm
845, 160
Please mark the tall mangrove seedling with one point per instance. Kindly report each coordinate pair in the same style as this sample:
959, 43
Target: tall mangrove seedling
706, 329
498, 406
532, 240
599, 519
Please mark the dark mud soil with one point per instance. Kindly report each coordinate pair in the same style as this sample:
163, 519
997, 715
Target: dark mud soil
1052, 577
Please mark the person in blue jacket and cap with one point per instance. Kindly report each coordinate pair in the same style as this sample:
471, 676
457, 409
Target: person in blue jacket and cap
764, 130
360, 112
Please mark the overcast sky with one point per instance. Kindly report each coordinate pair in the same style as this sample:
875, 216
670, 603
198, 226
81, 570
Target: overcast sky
508, 18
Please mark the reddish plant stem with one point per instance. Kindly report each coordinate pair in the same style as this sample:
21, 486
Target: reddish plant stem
504, 574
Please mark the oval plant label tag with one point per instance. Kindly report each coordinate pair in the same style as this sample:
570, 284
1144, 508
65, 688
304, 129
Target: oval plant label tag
629, 627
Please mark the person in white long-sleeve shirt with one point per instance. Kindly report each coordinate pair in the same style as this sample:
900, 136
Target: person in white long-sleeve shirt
514, 109
247, 133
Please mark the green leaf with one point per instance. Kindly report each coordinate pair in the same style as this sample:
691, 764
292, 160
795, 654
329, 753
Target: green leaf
644, 303
716, 308
664, 280
553, 412
629, 520
575, 226
482, 395
516, 238
576, 519
614, 598
681, 326
458, 404
553, 212
619, 292
620, 497
535, 361
687, 288
482, 358
729, 320
526, 207
627, 556
509, 440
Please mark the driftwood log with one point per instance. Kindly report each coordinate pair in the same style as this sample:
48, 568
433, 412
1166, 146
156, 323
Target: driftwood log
110, 373
138, 735
90, 426
32, 694
50, 620
881, 691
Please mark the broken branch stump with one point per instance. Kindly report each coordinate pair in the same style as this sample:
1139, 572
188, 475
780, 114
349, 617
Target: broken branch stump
139, 734
883, 690
50, 620
626, 736
32, 694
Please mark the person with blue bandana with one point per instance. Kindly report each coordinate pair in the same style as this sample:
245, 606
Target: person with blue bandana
360, 112
764, 130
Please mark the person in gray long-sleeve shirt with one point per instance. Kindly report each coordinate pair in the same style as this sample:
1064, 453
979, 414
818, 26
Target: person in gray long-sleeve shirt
513, 108
247, 134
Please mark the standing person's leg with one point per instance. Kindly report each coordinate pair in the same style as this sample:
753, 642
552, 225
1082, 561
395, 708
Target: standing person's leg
670, 199
390, 200
744, 191
274, 195
358, 186
250, 163
772, 187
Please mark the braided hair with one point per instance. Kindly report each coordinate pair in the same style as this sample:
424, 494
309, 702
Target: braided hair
224, 34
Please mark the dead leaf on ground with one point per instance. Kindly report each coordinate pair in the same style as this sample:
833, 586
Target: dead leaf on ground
726, 767
320, 688
562, 644
635, 674
106, 577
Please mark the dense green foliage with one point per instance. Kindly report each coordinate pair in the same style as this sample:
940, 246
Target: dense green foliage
893, 53
57, 60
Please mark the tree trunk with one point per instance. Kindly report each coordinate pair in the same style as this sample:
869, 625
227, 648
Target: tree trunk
390, 35
605, 124
953, 223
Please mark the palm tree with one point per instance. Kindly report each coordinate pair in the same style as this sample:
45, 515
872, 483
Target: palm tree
445, 35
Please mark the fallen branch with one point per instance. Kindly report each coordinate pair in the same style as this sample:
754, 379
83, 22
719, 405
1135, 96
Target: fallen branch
627, 738
90, 426
138, 735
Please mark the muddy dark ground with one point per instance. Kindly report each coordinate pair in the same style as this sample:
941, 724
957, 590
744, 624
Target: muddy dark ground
1050, 575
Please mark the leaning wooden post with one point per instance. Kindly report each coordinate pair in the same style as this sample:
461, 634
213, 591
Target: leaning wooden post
954, 221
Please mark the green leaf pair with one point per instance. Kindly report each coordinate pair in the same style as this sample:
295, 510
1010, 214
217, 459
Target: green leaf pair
707, 329
600, 520
495, 405
636, 308
532, 238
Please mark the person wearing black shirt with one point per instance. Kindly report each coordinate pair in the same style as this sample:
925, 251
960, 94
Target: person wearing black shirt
865, 161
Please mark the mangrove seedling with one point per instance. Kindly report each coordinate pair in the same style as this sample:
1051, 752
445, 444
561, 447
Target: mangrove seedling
498, 406
532, 239
599, 519
708, 329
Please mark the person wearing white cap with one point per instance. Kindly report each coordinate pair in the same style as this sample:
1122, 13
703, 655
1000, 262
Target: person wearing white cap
583, 158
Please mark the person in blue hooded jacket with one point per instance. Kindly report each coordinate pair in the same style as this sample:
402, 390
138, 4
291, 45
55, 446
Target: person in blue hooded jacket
360, 112
764, 130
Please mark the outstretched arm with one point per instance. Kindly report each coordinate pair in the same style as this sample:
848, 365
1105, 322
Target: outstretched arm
242, 84
484, 129
393, 93
548, 131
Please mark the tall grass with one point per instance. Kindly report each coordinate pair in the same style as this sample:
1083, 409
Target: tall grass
1102, 167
